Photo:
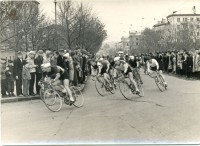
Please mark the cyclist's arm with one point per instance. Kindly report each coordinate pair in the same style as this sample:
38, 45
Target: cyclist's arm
126, 67
57, 77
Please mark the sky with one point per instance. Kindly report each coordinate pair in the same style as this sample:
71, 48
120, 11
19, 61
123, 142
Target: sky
121, 16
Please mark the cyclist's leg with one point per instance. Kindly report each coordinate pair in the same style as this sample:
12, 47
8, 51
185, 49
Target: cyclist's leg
66, 85
139, 76
58, 85
106, 78
130, 75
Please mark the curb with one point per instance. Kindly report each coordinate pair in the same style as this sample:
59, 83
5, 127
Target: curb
16, 99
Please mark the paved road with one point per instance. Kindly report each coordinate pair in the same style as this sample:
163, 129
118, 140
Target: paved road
169, 117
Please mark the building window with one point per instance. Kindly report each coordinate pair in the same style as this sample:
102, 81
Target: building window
197, 19
191, 19
178, 26
197, 33
191, 26
178, 19
198, 26
185, 19
136, 44
136, 38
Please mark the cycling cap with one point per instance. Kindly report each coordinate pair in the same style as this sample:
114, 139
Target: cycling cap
116, 58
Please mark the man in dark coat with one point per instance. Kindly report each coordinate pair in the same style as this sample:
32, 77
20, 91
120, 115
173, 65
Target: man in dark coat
189, 64
38, 61
18, 67
60, 59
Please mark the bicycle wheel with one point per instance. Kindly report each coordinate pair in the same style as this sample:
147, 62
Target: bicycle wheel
159, 83
99, 85
52, 100
42, 94
78, 96
126, 91
113, 88
141, 94
163, 82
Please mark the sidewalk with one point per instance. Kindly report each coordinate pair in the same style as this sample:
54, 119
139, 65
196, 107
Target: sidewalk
16, 99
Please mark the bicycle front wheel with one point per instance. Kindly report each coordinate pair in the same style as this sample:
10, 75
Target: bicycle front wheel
42, 94
78, 96
52, 100
100, 87
141, 94
159, 83
126, 91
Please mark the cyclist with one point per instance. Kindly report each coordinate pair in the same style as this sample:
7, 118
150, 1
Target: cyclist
103, 67
134, 65
123, 67
152, 65
59, 77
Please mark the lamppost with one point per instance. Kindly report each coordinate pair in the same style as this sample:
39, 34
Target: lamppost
55, 2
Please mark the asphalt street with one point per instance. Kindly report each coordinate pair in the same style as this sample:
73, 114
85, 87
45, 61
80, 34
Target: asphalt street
171, 117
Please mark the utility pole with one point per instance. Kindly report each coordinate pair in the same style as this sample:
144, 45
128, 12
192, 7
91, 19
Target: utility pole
56, 25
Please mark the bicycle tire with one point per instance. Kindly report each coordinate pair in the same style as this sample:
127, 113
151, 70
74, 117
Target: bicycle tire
141, 89
163, 83
159, 84
78, 96
100, 87
113, 90
52, 100
41, 92
126, 91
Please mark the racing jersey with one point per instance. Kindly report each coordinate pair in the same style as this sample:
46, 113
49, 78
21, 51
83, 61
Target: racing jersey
153, 64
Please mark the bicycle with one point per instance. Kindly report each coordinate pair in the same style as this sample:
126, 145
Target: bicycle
127, 90
158, 80
102, 86
53, 97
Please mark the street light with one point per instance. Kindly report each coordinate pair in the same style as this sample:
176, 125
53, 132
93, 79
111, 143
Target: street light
56, 25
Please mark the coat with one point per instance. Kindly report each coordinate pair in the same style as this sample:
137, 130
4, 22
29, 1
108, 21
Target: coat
26, 73
18, 67
9, 74
38, 61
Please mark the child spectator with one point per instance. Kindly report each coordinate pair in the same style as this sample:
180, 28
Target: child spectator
10, 78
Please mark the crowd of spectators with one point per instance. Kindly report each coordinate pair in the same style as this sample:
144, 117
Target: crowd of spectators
179, 62
23, 74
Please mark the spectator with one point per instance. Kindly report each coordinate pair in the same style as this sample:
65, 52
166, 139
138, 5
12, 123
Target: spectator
26, 75
18, 67
60, 59
47, 57
38, 61
54, 59
10, 78
189, 63
32, 67
3, 77
69, 66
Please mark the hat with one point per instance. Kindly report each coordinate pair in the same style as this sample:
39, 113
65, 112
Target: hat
40, 52
100, 59
120, 52
66, 55
46, 65
31, 53
132, 57
61, 50
19, 53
